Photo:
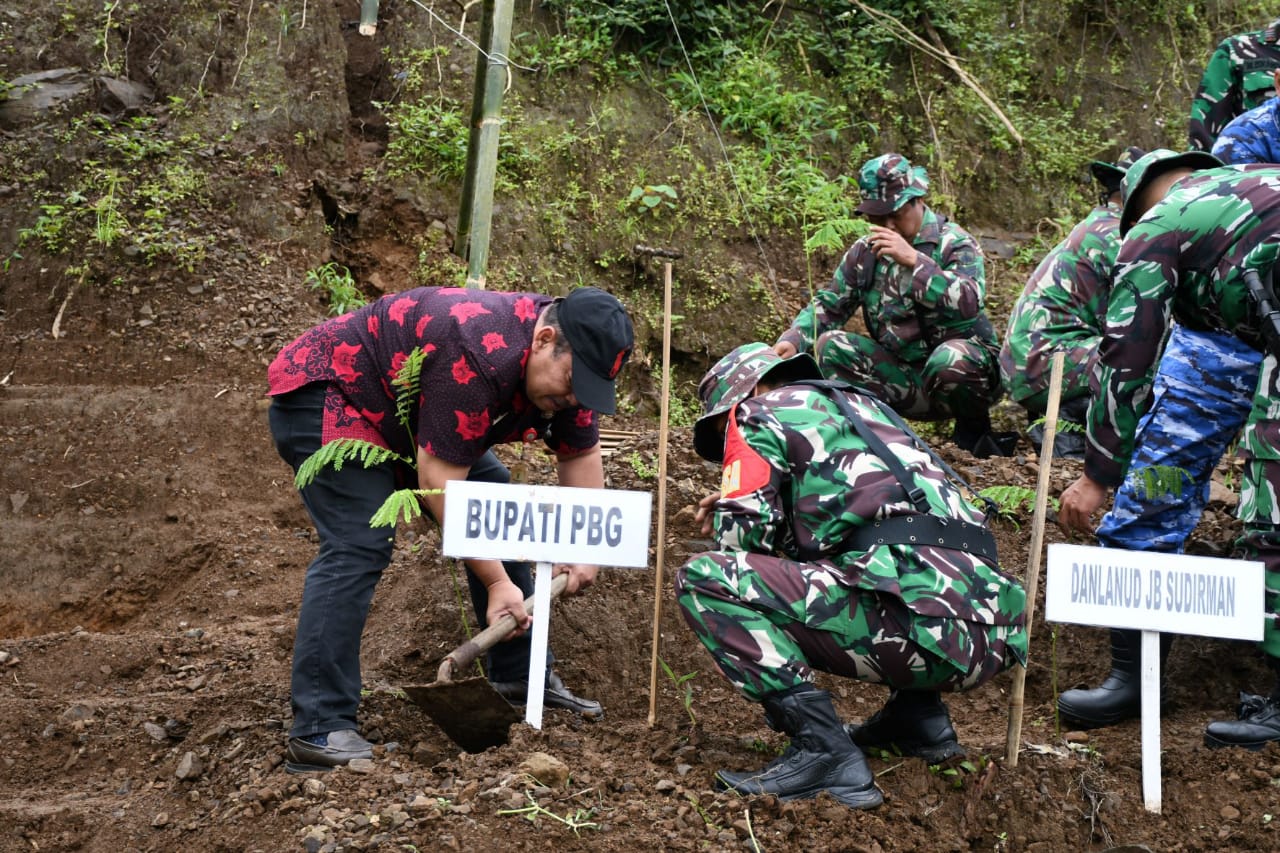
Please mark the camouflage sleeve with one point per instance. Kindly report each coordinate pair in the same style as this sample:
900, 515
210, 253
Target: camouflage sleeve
1133, 336
1061, 308
832, 306
954, 279
1218, 98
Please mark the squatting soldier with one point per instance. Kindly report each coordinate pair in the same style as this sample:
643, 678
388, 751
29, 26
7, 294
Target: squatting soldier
822, 488
1193, 239
930, 350
1237, 78
1061, 310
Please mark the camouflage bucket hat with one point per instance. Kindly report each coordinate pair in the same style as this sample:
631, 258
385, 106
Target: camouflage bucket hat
1111, 174
888, 182
732, 379
1150, 166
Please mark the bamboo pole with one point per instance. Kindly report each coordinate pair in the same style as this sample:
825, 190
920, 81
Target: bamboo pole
475, 212
659, 574
1033, 558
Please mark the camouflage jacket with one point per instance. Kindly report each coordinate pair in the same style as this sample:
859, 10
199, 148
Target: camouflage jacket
1253, 137
1065, 298
798, 480
907, 311
1237, 78
1184, 258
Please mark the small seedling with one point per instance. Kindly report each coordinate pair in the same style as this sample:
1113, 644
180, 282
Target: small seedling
683, 686
575, 820
336, 282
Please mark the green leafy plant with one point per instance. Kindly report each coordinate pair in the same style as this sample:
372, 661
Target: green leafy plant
1011, 501
652, 199
683, 687
642, 469
335, 281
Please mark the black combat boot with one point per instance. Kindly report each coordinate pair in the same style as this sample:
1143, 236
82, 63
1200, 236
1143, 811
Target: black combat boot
1258, 722
974, 434
912, 722
1119, 697
820, 758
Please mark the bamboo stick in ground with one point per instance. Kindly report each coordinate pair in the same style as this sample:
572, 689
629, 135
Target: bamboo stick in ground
1033, 558
659, 571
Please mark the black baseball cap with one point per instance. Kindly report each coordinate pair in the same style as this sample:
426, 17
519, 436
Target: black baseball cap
600, 334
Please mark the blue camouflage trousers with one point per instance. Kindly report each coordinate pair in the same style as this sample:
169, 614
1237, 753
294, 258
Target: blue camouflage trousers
960, 377
1207, 387
769, 622
1200, 400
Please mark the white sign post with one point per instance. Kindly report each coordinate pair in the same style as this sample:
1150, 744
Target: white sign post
1154, 592
545, 525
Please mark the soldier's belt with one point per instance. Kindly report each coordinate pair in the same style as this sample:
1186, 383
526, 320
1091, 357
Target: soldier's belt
925, 530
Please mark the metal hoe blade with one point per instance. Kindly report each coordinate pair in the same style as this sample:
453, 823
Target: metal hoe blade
470, 712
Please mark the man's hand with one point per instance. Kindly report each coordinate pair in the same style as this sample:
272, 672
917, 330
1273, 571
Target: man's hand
887, 243
580, 576
506, 598
706, 512
785, 349
1079, 502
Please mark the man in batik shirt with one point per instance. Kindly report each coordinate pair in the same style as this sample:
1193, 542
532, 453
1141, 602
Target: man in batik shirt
930, 349
826, 504
1192, 234
437, 376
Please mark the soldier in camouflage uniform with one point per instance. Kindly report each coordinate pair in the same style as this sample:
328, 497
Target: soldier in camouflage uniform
930, 350
1200, 398
1061, 309
814, 571
1191, 237
1237, 78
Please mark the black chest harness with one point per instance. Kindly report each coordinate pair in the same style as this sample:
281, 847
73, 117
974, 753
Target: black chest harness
922, 528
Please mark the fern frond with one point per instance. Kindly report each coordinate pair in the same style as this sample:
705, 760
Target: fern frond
1156, 481
342, 450
408, 384
1010, 500
402, 503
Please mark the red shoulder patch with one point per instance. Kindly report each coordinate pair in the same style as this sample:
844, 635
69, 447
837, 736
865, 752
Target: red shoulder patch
745, 471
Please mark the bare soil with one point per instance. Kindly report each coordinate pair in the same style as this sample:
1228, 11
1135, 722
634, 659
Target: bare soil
152, 558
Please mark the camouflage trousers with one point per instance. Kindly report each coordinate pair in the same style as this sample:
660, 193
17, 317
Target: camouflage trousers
961, 376
1200, 401
770, 622
1260, 494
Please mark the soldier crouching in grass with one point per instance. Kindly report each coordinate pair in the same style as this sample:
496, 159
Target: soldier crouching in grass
826, 502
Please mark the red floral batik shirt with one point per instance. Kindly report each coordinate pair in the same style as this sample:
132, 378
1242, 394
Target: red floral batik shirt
470, 390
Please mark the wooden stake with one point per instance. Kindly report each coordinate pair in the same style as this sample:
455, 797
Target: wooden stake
659, 574
1033, 559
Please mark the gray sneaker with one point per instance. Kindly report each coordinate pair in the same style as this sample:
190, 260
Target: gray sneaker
302, 756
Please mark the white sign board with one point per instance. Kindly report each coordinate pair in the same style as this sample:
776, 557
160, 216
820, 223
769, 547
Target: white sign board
1154, 592
493, 521
1151, 591
545, 525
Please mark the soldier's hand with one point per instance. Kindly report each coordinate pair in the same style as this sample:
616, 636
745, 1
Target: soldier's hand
706, 511
1079, 502
887, 243
784, 349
